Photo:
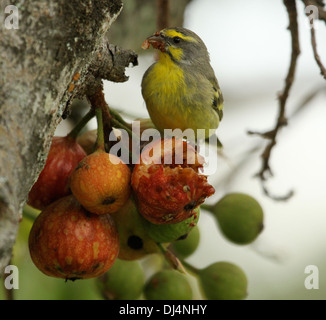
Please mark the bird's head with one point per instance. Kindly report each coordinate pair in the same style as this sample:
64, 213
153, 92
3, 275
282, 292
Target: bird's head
180, 44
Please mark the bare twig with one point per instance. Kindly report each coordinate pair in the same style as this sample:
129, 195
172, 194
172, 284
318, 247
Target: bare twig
282, 98
275, 197
162, 17
316, 55
163, 14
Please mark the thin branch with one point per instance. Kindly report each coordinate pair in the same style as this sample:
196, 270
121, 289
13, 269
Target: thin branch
316, 55
163, 14
282, 98
162, 18
275, 197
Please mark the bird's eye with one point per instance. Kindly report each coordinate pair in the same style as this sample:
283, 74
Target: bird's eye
176, 39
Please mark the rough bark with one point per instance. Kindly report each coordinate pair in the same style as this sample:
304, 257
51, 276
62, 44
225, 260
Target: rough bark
58, 53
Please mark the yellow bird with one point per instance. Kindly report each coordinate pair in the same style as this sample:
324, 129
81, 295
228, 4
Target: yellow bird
180, 89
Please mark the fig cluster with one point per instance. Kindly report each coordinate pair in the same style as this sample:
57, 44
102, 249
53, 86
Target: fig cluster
95, 208
99, 217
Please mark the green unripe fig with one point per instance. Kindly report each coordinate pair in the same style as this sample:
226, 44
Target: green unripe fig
168, 285
164, 233
184, 248
124, 281
135, 242
240, 217
223, 281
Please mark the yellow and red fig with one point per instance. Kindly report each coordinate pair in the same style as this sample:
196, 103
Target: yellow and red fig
101, 183
166, 182
66, 241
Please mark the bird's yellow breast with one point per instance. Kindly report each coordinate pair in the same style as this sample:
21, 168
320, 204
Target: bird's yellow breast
163, 89
165, 80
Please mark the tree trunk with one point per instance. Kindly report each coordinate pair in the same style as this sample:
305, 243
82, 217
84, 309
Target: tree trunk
58, 53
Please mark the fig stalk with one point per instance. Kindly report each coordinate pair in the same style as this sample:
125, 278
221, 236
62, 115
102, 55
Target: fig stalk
74, 133
100, 130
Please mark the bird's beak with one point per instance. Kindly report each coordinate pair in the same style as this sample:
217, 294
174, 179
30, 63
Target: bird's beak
156, 40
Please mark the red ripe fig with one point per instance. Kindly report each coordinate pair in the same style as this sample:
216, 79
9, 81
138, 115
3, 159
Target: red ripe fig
66, 241
166, 182
64, 155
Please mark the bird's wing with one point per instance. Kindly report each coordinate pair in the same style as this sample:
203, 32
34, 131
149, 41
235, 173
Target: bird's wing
218, 100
